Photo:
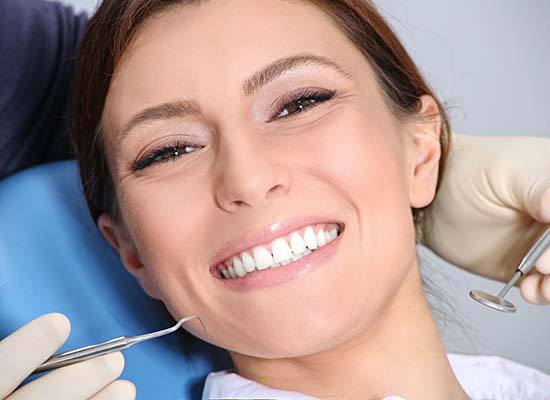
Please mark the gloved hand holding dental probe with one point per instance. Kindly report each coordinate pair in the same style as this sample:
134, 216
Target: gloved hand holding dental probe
29, 346
493, 202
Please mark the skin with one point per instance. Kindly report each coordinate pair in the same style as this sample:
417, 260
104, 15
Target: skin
368, 168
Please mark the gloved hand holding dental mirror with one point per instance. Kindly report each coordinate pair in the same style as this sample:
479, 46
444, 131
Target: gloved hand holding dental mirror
492, 213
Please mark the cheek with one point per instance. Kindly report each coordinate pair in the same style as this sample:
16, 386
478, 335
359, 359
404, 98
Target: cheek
165, 222
367, 167
366, 172
377, 186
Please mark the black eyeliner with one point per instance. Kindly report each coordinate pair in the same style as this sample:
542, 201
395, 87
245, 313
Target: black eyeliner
320, 96
149, 158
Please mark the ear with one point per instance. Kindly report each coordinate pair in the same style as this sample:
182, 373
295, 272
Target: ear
120, 240
424, 153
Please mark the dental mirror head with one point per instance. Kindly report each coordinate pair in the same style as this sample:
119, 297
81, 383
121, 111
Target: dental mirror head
527, 263
492, 301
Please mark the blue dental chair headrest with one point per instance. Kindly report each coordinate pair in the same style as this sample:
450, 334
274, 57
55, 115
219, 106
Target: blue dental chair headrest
53, 259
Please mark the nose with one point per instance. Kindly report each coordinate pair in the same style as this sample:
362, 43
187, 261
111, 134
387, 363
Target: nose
249, 173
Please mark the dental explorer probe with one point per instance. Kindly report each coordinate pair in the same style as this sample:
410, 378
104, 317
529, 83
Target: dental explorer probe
527, 263
110, 346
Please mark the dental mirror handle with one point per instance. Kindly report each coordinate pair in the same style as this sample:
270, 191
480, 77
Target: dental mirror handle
528, 262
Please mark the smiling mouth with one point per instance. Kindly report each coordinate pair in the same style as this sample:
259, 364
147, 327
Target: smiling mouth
281, 251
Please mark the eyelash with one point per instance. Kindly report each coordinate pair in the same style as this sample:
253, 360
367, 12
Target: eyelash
165, 153
172, 151
318, 95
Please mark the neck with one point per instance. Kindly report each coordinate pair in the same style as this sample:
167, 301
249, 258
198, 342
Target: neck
394, 355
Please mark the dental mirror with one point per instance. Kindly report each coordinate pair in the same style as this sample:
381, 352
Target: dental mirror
527, 263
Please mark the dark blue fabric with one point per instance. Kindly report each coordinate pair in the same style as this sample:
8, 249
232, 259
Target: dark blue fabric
53, 259
38, 44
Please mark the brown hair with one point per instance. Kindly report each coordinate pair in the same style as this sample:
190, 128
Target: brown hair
116, 22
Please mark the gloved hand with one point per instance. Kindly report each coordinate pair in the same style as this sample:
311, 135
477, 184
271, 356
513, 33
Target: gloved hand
28, 347
493, 202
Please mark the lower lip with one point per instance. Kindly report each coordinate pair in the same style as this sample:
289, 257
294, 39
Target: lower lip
284, 273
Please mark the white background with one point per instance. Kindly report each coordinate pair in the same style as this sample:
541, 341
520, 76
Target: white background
490, 60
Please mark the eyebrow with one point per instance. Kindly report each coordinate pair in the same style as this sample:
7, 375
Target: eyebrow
185, 108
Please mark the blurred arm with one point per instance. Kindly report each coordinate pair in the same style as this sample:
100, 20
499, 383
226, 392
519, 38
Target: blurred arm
38, 44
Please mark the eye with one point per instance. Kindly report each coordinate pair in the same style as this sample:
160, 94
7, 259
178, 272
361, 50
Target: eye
170, 152
302, 101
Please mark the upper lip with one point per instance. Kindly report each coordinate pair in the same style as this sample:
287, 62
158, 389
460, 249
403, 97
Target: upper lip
267, 234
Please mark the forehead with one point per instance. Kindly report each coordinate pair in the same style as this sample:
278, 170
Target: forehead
221, 29
195, 51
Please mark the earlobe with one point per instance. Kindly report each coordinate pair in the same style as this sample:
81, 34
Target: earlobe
123, 244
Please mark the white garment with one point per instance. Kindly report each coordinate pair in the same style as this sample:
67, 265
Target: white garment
482, 378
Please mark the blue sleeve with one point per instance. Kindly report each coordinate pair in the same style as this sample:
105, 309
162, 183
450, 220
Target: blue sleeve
38, 45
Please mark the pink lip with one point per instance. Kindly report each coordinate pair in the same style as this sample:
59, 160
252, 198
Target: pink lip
274, 276
264, 235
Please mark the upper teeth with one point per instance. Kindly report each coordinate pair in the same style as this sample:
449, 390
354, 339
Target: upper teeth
282, 252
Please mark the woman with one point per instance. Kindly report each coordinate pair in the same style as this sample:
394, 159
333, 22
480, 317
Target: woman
236, 118
192, 127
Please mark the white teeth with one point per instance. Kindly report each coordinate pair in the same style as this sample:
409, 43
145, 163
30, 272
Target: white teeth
238, 266
248, 262
280, 249
310, 238
262, 257
297, 244
283, 252
321, 239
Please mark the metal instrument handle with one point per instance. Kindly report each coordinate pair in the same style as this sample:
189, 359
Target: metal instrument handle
535, 252
84, 353
110, 346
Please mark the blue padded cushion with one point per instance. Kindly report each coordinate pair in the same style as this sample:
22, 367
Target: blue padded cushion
53, 259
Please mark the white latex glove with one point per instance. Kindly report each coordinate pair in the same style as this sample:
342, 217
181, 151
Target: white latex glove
29, 346
493, 202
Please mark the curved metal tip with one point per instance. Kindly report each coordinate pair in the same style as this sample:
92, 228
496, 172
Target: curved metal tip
494, 302
183, 320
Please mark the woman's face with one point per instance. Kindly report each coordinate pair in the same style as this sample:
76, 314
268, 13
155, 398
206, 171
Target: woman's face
248, 163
